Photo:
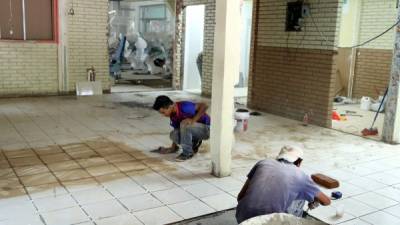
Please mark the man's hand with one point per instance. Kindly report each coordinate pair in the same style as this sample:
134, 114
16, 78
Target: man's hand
313, 205
187, 121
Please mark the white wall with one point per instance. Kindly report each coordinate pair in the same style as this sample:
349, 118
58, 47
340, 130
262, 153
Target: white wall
246, 19
193, 46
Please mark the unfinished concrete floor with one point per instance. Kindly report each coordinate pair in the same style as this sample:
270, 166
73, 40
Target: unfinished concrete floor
357, 120
68, 160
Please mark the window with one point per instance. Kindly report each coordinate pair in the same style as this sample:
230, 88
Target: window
153, 18
26, 20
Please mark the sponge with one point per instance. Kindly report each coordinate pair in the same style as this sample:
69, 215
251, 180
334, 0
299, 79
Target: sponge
325, 181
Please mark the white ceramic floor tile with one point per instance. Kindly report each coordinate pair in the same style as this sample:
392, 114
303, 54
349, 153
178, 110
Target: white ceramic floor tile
105, 209
102, 170
359, 170
23, 220
355, 222
328, 215
38, 179
68, 216
141, 202
375, 200
151, 180
354, 207
164, 216
124, 189
125, 219
235, 193
390, 192
22, 208
202, 190
182, 177
341, 175
54, 203
70, 175
380, 217
81, 185
385, 178
92, 196
394, 210
46, 190
220, 202
172, 196
190, 209
349, 190
367, 184
226, 183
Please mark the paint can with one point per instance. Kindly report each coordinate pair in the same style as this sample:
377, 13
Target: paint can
242, 120
365, 103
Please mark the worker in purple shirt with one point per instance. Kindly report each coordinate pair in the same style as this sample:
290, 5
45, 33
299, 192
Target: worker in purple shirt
190, 122
278, 186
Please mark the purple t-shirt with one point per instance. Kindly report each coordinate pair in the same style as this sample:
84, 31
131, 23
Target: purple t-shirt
187, 110
273, 187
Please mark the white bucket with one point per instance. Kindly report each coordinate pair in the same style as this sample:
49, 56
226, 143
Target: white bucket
242, 120
365, 103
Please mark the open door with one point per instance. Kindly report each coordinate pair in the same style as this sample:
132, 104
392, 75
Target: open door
245, 39
194, 38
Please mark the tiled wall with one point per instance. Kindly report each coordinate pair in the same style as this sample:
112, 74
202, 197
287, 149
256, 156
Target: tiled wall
373, 62
292, 73
28, 68
31, 68
372, 72
87, 41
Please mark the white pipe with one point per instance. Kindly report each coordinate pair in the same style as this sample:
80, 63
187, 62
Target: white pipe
24, 18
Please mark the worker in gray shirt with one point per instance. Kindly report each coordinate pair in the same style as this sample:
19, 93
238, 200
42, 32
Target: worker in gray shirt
274, 186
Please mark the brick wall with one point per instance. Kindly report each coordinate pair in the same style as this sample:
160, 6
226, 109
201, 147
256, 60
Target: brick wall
373, 61
28, 68
292, 73
208, 46
87, 41
31, 68
376, 17
372, 72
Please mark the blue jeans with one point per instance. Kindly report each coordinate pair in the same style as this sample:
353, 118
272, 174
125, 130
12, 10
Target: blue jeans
296, 208
187, 134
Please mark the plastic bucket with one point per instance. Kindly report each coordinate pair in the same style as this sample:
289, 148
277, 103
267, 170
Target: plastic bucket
242, 120
365, 103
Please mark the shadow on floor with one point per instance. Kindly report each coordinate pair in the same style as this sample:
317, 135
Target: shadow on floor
225, 217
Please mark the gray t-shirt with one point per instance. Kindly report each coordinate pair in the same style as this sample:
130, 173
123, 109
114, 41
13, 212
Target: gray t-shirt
273, 187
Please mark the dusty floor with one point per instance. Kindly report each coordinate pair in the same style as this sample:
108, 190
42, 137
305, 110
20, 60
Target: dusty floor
68, 160
357, 120
125, 86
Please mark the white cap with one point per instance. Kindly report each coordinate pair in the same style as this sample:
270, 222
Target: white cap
290, 153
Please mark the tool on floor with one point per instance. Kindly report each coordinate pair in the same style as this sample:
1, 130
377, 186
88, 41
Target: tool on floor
373, 130
325, 181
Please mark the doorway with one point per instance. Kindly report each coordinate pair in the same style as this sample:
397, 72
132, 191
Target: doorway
194, 39
241, 83
140, 44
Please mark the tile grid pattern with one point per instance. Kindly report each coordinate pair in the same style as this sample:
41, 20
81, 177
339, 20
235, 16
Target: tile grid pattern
367, 169
105, 188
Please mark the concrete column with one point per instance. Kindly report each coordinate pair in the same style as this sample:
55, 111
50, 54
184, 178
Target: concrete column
62, 46
391, 128
225, 68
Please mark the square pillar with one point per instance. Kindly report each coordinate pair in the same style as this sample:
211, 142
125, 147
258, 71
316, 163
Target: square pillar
225, 69
391, 127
